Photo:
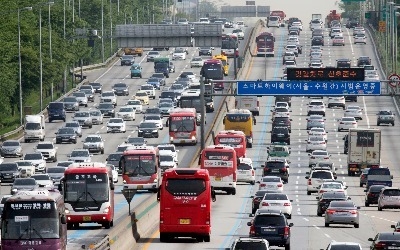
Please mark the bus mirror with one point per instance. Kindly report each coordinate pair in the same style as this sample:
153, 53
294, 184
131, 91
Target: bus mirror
158, 194
223, 121
167, 123
60, 187
213, 197
63, 219
112, 186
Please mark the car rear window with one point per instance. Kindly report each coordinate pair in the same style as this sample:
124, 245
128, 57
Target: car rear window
269, 220
392, 192
243, 166
250, 246
389, 236
321, 175
344, 247
275, 164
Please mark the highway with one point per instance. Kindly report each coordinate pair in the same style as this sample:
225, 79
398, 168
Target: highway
231, 213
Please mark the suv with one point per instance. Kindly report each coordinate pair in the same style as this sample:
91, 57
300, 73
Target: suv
80, 155
326, 198
337, 101
108, 97
316, 108
363, 60
56, 111
8, 171
276, 167
48, 150
246, 172
272, 226
372, 194
389, 197
250, 243
316, 178
283, 98
280, 134
385, 116
150, 90
94, 143
283, 122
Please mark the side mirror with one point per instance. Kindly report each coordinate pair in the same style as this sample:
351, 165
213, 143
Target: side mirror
392, 226
291, 224
249, 223
370, 239
112, 186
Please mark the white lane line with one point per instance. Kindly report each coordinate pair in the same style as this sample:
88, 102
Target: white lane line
365, 112
316, 227
305, 219
327, 235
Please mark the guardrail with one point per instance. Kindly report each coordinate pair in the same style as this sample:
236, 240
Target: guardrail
104, 244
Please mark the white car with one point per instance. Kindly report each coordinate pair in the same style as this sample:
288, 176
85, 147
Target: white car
170, 148
97, 116
271, 183
246, 172
293, 40
337, 101
157, 119
127, 113
336, 32
315, 143
114, 172
315, 48
48, 150
292, 48
43, 180
332, 186
371, 76
353, 111
197, 62
179, 54
239, 33
116, 125
338, 41
37, 160
316, 107
318, 132
346, 123
282, 105
360, 38
318, 156
315, 55
277, 201
109, 97
94, 143
358, 30
136, 104
298, 25
151, 55
316, 178
316, 65
150, 90
167, 160
280, 112
290, 64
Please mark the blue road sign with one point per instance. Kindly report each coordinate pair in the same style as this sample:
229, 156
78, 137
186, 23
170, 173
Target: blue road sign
308, 88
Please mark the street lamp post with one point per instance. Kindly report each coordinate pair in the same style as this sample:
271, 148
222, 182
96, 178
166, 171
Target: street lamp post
19, 62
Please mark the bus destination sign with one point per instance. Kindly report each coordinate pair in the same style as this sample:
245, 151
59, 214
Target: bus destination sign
326, 74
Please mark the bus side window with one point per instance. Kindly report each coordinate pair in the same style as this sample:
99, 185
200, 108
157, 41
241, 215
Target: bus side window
121, 164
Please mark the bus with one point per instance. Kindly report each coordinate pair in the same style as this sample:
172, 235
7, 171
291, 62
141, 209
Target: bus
182, 126
34, 220
221, 162
225, 63
213, 69
88, 194
185, 197
229, 45
241, 120
265, 44
140, 168
235, 139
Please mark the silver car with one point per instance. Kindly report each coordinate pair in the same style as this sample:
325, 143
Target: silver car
83, 118
94, 143
81, 98
80, 155
11, 148
389, 197
75, 126
71, 103
23, 184
55, 173
89, 94
315, 121
342, 212
97, 116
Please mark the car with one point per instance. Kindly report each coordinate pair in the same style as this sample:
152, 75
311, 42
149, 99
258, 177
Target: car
385, 239
315, 48
43, 180
155, 82
353, 111
293, 40
249, 243
80, 155
166, 107
246, 171
127, 113
179, 54
278, 149
8, 171
143, 97
316, 107
94, 143
108, 97
136, 141
257, 198
389, 197
371, 76
280, 134
338, 41
342, 212
89, 93
299, 25
97, 116
122, 147
277, 201
318, 132
71, 103
292, 48
315, 24
372, 194
363, 176
315, 55
317, 40
385, 116
335, 32
48, 150
183, 21
358, 30
167, 160
156, 119
315, 143
64, 164
290, 64
75, 126
83, 118
334, 245
337, 101
360, 38
239, 33
271, 183
55, 174
107, 109
177, 88
276, 167
170, 148
316, 178
153, 111
21, 184
160, 76
120, 89
81, 98
113, 159
196, 62
316, 65
116, 125
96, 86
352, 23
272, 226
363, 60
280, 112
151, 55
150, 90
326, 165
66, 135
148, 129
331, 186
346, 123
37, 159
288, 56
318, 156
188, 74
136, 105
127, 60
282, 122
205, 51
281, 105
325, 199
11, 148
25, 168
315, 121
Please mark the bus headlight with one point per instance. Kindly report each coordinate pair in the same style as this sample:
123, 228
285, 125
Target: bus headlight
171, 138
155, 180
193, 137
106, 210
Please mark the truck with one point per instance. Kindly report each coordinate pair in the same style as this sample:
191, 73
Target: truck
161, 65
364, 150
379, 176
133, 51
333, 15
34, 128
225, 63
279, 13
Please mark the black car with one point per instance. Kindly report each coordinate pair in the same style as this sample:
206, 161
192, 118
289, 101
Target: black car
351, 98
205, 51
97, 87
391, 239
148, 129
317, 40
153, 111
280, 134
121, 89
276, 168
352, 23
66, 135
363, 60
256, 199
372, 194
326, 198
343, 63
107, 109
346, 144
127, 60
8, 171
113, 159
272, 226
284, 98
282, 122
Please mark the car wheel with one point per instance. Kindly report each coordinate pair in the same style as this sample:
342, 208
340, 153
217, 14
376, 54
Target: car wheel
377, 124
379, 208
75, 141
50, 120
361, 185
308, 193
366, 204
252, 183
319, 214
392, 123
326, 224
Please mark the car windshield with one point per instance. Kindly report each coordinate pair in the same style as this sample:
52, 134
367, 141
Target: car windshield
45, 146
127, 57
33, 156
321, 175
269, 220
65, 131
136, 140
385, 112
115, 120
271, 179
24, 163
391, 192
126, 110
152, 118
8, 167
82, 114
11, 144
80, 153
72, 125
105, 106
25, 181
147, 125
332, 186
197, 59
166, 158
55, 170
323, 153
316, 138
153, 53
93, 139
79, 94
134, 102
348, 204
179, 51
141, 94
165, 105
70, 99
146, 87
244, 166
348, 119
170, 148
114, 157
41, 177
107, 94
120, 85
331, 195
95, 113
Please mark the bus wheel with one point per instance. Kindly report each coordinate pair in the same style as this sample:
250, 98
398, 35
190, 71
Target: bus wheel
233, 192
107, 225
76, 225
70, 226
207, 238
163, 237
199, 239
112, 223
154, 190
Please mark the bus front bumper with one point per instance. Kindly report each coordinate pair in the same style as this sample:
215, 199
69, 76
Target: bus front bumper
87, 218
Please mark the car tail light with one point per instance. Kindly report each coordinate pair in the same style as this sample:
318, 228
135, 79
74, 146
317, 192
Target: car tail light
263, 185
258, 103
252, 172
353, 211
326, 158
208, 218
161, 217
323, 142
286, 204
251, 134
341, 123
371, 195
309, 182
252, 230
309, 142
380, 245
322, 191
287, 231
236, 103
330, 211
354, 123
283, 170
279, 185
265, 204
312, 157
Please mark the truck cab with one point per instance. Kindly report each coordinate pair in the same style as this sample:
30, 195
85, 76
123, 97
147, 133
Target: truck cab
34, 128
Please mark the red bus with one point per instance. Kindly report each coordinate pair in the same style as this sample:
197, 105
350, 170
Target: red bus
265, 44
221, 162
213, 69
34, 220
140, 168
88, 194
229, 45
233, 138
182, 123
185, 197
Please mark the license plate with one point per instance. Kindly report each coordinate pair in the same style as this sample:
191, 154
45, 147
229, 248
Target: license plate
140, 187
182, 141
247, 105
275, 170
268, 229
218, 179
184, 221
87, 218
341, 213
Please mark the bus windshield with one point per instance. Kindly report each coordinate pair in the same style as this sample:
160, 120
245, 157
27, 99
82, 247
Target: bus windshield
140, 165
182, 124
90, 189
185, 187
212, 71
238, 117
30, 220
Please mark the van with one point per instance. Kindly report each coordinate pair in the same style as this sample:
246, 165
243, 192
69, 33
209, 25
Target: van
274, 21
251, 103
56, 111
